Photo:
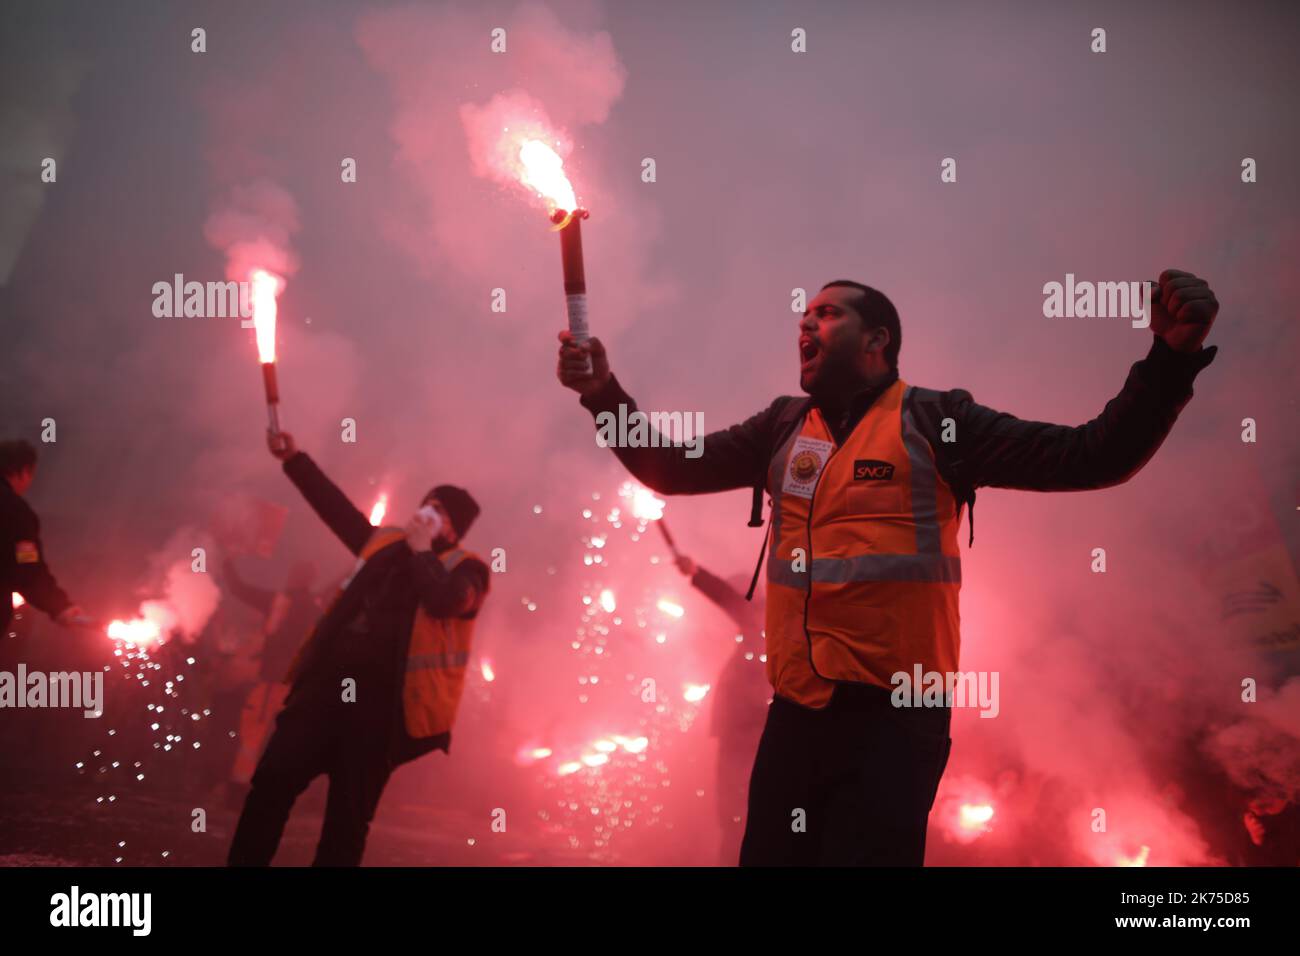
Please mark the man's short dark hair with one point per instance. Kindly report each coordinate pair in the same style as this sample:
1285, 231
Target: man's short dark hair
877, 312
16, 457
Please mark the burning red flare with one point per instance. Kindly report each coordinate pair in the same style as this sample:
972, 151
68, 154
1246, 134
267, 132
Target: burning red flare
542, 170
266, 286
137, 631
379, 510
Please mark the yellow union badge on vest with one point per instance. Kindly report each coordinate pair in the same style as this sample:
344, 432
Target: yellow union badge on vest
807, 459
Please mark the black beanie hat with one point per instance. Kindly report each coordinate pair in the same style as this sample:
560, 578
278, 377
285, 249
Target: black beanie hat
460, 505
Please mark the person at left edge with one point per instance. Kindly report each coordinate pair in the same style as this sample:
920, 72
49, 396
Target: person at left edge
22, 560
378, 681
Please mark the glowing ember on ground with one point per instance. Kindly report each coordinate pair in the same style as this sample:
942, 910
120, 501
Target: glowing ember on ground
964, 809
1139, 860
379, 510
694, 693
671, 608
974, 817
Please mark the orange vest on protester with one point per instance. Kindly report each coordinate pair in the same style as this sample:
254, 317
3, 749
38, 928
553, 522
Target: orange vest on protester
864, 569
436, 657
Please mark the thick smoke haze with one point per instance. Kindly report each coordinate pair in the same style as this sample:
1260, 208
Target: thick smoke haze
774, 171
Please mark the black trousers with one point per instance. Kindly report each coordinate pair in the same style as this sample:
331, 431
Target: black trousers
850, 785
318, 733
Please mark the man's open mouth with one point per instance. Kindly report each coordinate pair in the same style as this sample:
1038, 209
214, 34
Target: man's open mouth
808, 350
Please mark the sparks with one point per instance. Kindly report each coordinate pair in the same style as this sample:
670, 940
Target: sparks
694, 693
671, 608
530, 753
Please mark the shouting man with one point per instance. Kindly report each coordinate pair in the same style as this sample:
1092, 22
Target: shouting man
868, 477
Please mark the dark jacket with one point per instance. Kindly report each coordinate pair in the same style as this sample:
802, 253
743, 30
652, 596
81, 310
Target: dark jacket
369, 625
22, 559
991, 449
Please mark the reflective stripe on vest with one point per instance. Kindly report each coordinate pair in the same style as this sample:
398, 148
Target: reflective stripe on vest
435, 665
864, 567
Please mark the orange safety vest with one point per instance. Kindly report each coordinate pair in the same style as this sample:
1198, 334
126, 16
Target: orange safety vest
864, 569
436, 657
